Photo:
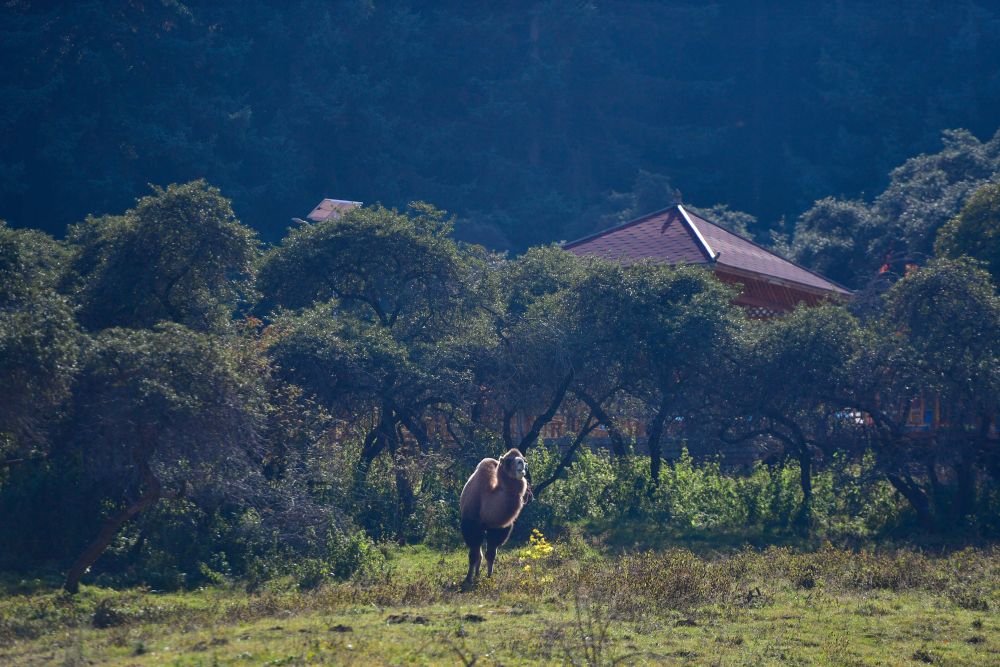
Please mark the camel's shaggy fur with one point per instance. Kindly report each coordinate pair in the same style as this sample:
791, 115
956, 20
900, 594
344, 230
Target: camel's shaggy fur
490, 503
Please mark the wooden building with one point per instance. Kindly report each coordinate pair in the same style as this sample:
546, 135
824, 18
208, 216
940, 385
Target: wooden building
770, 284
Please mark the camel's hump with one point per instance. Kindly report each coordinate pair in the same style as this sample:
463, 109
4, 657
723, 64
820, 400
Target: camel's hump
488, 463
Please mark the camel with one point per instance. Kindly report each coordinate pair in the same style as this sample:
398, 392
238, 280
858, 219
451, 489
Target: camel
490, 503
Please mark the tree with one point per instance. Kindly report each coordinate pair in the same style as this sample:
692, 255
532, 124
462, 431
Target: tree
856, 242
975, 231
832, 238
686, 328
361, 372
948, 315
614, 336
939, 341
160, 413
607, 366
526, 367
179, 256
398, 270
30, 262
619, 340
792, 383
39, 343
385, 307
928, 190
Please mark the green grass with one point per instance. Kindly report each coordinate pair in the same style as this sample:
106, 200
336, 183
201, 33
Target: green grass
577, 606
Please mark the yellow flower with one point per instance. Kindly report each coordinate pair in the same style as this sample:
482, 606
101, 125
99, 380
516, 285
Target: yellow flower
538, 547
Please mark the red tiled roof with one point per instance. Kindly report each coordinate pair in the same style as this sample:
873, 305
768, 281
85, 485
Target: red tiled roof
678, 236
331, 208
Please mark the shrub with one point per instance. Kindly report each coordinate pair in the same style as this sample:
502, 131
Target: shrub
701, 498
698, 496
354, 556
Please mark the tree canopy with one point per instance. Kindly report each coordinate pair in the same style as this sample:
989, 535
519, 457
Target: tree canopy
179, 256
858, 242
533, 122
975, 231
39, 341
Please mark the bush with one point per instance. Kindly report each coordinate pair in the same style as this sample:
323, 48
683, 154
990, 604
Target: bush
700, 498
354, 556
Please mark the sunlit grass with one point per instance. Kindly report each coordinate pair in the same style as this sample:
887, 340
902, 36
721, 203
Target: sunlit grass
827, 606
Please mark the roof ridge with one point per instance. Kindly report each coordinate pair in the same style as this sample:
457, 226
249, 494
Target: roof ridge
712, 255
772, 252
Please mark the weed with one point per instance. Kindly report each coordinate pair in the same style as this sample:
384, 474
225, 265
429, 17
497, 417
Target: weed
970, 596
106, 615
590, 642
74, 656
465, 656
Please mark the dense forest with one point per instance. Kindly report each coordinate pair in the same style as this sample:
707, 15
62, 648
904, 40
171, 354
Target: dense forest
532, 121
195, 392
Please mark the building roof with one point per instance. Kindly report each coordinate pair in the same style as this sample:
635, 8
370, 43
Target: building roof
675, 235
332, 208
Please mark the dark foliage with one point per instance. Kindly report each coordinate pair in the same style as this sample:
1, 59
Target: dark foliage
534, 121
870, 245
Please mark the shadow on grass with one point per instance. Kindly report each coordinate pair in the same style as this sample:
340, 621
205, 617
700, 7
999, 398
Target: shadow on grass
15, 583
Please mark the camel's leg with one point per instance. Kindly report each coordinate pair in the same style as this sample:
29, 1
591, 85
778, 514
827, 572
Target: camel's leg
494, 538
475, 559
472, 532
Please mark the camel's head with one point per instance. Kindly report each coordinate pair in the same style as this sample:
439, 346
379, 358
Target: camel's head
513, 465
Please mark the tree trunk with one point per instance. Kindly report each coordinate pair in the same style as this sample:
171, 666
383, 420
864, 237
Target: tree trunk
414, 427
372, 447
796, 440
617, 441
965, 493
406, 498
508, 439
939, 496
986, 451
916, 497
108, 531
653, 443
536, 426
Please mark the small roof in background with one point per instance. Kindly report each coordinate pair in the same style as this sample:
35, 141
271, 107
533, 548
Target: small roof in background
332, 208
678, 236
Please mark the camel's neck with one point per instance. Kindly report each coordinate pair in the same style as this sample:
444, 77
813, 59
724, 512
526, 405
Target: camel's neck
511, 486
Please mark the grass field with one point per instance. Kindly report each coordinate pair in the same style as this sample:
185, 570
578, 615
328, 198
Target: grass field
548, 604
